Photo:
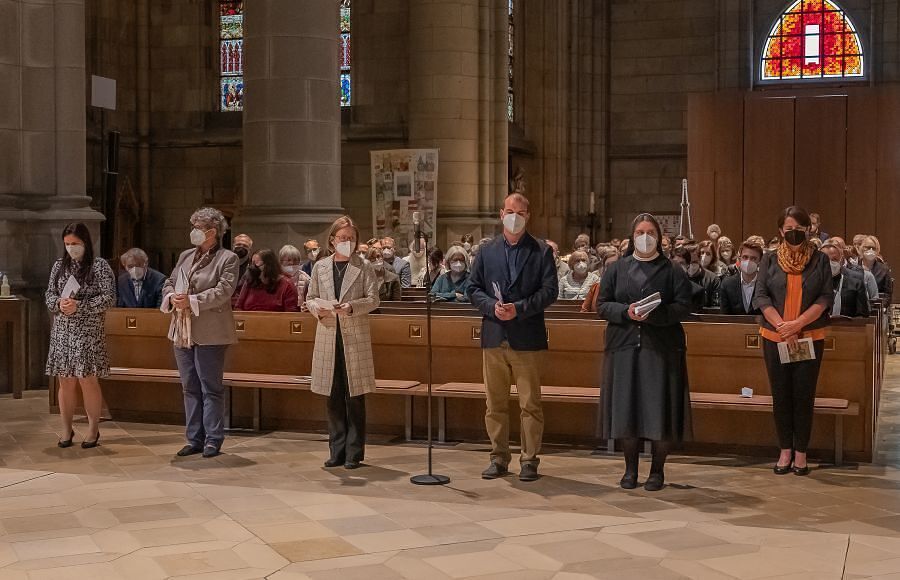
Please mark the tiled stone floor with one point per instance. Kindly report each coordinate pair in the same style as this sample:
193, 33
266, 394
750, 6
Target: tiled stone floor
267, 509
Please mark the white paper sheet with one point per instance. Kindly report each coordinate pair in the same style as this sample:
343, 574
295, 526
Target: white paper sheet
181, 283
497, 293
71, 288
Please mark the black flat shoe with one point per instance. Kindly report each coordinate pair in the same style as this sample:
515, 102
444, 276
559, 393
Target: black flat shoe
332, 462
352, 465
655, 482
628, 481
801, 471
91, 444
210, 451
188, 450
65, 443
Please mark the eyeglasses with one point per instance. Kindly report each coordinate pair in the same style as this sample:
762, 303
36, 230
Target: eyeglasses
344, 239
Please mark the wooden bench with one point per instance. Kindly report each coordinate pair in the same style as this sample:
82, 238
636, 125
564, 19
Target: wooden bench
258, 382
590, 395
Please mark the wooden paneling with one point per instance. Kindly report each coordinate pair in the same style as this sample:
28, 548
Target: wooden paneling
729, 159
701, 160
769, 165
888, 174
862, 149
820, 158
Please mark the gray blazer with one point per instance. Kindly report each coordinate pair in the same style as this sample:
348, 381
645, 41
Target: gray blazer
212, 285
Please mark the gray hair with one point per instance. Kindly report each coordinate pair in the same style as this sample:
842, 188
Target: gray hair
210, 217
291, 253
456, 251
136, 254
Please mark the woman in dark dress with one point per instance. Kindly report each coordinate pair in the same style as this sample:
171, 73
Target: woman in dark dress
645, 385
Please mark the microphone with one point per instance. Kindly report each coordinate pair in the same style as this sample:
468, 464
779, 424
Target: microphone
417, 225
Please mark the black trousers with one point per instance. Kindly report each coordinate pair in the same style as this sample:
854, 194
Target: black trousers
793, 395
346, 414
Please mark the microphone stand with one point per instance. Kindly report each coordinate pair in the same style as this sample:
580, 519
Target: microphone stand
429, 478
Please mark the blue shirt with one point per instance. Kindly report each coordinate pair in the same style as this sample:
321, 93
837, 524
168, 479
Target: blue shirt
512, 259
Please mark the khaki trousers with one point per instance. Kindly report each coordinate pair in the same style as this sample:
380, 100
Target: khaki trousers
504, 366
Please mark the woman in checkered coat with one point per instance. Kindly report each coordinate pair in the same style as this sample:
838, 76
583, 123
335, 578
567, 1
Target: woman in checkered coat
342, 368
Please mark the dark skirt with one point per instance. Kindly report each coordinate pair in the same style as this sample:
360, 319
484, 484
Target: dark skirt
645, 395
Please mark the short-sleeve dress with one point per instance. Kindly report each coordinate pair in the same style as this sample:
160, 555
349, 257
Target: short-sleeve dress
78, 342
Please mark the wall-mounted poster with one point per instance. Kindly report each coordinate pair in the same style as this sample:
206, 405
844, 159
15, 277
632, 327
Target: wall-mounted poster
403, 181
670, 223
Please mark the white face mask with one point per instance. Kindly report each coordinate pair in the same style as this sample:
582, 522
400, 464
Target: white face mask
645, 243
706, 260
869, 255
457, 266
198, 236
290, 270
76, 251
713, 235
344, 248
467, 246
513, 223
378, 265
693, 269
749, 267
581, 267
137, 273
835, 267
388, 254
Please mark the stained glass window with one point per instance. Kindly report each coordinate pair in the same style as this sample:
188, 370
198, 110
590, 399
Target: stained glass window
344, 56
511, 48
231, 55
813, 39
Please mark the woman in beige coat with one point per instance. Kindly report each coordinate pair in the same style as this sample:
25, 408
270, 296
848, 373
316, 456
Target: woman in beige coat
342, 293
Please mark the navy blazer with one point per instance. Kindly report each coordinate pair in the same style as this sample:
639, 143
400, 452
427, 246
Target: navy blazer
534, 288
731, 297
854, 300
151, 291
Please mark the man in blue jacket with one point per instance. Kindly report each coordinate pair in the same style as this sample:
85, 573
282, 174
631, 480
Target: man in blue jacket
139, 286
513, 281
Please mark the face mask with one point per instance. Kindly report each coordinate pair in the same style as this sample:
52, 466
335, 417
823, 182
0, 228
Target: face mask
467, 246
713, 236
749, 267
254, 269
344, 249
457, 267
241, 251
290, 270
693, 269
513, 223
869, 255
379, 266
835, 267
726, 254
581, 267
795, 237
706, 259
197, 237
137, 273
388, 254
76, 251
645, 243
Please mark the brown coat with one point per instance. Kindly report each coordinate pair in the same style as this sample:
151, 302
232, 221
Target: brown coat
360, 290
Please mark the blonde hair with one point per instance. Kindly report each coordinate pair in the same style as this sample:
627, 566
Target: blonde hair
343, 222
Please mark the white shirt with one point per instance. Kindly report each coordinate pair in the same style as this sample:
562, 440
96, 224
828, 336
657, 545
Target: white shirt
747, 292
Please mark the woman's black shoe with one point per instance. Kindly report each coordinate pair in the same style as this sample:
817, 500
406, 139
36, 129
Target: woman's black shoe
801, 470
91, 444
628, 481
63, 444
655, 482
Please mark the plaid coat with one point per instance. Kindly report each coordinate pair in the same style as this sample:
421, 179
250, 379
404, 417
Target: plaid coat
360, 290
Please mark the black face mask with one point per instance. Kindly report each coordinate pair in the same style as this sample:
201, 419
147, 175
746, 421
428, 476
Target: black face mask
795, 237
241, 252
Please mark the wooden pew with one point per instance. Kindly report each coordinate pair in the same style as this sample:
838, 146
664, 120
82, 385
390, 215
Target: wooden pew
724, 354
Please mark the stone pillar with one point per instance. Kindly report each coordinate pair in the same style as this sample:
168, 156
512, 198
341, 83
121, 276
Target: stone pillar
292, 124
43, 144
457, 104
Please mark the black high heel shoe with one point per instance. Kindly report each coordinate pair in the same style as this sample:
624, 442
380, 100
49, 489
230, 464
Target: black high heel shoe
91, 444
784, 469
64, 443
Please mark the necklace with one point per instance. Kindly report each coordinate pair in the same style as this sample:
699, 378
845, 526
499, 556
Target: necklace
341, 267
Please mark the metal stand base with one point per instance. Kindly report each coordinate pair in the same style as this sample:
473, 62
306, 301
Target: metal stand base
430, 479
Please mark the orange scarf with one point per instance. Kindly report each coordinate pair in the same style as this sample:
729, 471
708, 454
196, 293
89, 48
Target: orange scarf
794, 261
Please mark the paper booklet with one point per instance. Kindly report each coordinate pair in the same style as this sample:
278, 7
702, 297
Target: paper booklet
322, 304
497, 293
805, 351
71, 288
648, 304
181, 283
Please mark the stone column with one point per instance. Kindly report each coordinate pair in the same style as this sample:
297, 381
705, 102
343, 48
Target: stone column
292, 124
43, 144
457, 104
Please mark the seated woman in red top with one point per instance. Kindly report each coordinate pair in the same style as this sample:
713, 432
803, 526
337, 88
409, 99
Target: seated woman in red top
267, 288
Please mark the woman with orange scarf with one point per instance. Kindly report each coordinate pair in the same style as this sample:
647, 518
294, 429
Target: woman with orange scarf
794, 292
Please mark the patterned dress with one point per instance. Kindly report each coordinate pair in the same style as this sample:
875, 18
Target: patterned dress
78, 342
